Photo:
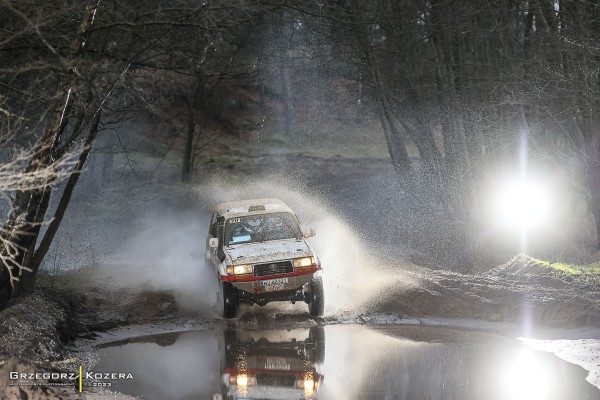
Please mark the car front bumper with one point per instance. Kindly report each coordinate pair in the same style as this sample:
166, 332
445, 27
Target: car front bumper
264, 289
265, 286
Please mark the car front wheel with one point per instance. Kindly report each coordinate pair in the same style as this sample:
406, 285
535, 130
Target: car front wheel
230, 300
316, 304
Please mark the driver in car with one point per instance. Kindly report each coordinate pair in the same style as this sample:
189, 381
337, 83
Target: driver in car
245, 231
253, 226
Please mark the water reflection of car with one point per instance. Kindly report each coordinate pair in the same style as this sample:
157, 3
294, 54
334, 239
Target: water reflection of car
260, 255
272, 364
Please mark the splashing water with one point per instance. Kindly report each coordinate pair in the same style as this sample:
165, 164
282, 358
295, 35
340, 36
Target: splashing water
166, 253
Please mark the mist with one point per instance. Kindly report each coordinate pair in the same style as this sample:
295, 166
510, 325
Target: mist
167, 250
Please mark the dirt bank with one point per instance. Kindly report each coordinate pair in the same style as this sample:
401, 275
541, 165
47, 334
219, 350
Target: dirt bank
38, 327
37, 338
33, 337
516, 292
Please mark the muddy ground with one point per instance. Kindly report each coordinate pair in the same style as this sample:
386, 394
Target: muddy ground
99, 284
49, 330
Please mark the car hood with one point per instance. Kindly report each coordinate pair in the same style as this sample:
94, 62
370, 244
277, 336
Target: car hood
274, 250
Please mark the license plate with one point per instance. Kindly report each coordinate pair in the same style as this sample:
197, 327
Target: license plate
273, 285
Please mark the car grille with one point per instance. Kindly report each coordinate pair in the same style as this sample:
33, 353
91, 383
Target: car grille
281, 267
267, 379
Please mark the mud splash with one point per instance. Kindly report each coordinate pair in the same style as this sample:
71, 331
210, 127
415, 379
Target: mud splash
352, 272
166, 251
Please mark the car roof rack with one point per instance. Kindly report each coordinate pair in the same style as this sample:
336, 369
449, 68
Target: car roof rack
259, 207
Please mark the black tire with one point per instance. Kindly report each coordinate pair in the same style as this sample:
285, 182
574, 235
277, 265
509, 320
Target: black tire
232, 348
316, 304
230, 300
316, 337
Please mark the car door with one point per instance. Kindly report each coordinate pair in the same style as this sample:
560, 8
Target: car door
212, 232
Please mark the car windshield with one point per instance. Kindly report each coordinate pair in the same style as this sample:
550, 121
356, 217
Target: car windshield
261, 228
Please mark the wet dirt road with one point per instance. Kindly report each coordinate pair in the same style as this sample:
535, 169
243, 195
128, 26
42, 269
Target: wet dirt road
337, 362
134, 283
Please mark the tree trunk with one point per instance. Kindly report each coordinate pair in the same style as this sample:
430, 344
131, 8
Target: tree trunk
284, 71
46, 241
288, 104
187, 169
395, 143
21, 229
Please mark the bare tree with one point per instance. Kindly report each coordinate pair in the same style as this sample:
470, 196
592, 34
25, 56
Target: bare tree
67, 70
467, 82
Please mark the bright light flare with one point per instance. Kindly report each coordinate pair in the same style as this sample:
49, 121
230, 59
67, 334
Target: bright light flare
242, 380
308, 383
525, 378
522, 204
304, 262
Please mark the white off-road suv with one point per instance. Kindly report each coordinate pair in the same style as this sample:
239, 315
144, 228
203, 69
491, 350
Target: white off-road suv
260, 255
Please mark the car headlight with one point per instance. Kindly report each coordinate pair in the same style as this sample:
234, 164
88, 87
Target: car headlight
239, 269
304, 262
309, 384
242, 380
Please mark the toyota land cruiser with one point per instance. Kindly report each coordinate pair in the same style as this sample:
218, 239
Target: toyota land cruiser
260, 255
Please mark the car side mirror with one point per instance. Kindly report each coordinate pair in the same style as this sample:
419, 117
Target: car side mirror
213, 243
308, 231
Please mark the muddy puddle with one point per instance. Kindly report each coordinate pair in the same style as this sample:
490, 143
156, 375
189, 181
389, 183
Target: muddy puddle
337, 362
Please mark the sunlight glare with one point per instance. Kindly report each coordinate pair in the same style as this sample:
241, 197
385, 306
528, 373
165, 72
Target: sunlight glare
525, 378
521, 204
